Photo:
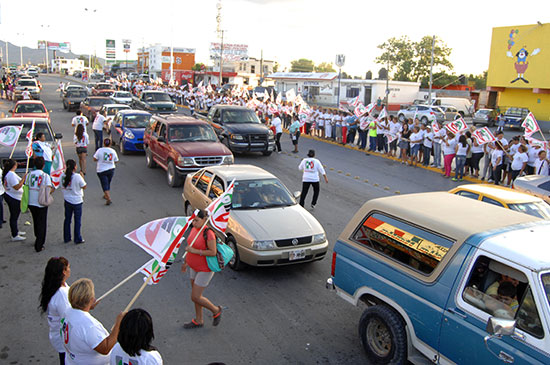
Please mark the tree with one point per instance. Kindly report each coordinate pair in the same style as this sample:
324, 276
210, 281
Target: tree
479, 82
197, 66
368, 75
276, 67
423, 55
324, 67
302, 65
345, 75
382, 74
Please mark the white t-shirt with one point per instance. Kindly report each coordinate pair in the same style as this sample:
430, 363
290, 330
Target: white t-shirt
476, 149
462, 150
98, 122
311, 168
276, 122
80, 119
428, 139
46, 150
395, 128
82, 333
57, 306
73, 193
83, 142
11, 180
533, 155
450, 149
106, 158
381, 127
416, 137
541, 167
35, 179
439, 136
495, 156
26, 95
119, 356
519, 159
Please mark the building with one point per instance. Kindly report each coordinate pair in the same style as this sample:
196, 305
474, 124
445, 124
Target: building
518, 69
249, 72
155, 60
322, 88
67, 65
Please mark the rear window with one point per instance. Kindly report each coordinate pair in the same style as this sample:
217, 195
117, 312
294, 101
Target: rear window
30, 108
411, 246
99, 102
26, 83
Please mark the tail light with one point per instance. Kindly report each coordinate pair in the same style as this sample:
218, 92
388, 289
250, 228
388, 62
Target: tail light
333, 266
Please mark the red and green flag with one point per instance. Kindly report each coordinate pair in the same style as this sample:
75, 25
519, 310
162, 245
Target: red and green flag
483, 136
9, 135
219, 209
530, 124
457, 126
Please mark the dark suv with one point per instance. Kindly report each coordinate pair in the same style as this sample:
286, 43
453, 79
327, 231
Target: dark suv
181, 145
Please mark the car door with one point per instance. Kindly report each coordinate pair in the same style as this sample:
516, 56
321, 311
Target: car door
199, 199
468, 311
162, 144
215, 120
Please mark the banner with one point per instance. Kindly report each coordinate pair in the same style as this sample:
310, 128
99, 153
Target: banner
457, 126
370, 107
536, 142
530, 124
9, 135
30, 133
383, 114
302, 117
219, 209
359, 110
231, 52
55, 46
355, 101
58, 166
290, 95
435, 127
483, 136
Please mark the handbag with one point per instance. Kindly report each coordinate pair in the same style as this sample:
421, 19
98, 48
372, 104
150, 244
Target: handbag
25, 199
45, 198
224, 254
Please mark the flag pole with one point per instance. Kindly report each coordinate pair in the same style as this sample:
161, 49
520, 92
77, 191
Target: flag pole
17, 140
119, 284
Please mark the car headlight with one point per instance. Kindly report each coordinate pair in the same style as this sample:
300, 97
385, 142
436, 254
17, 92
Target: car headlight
174, 107
186, 161
128, 134
264, 245
319, 238
237, 137
228, 160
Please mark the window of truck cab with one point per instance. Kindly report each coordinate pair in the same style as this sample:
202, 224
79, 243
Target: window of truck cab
410, 246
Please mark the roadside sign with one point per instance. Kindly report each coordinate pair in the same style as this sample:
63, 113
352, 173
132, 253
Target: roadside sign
340, 60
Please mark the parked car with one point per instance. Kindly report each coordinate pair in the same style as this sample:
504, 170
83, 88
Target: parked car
33, 72
127, 130
266, 227
463, 105
30, 109
513, 117
182, 145
486, 117
77, 74
505, 198
240, 129
31, 85
73, 98
536, 185
155, 101
429, 267
122, 97
424, 113
91, 105
41, 125
451, 113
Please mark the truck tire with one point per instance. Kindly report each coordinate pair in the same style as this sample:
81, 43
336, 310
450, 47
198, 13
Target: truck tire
424, 120
172, 176
149, 159
383, 335
235, 262
267, 153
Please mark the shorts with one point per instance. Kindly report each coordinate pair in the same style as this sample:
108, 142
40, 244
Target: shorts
105, 178
81, 150
295, 140
415, 149
201, 278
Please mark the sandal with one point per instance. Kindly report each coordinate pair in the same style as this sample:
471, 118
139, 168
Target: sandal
217, 317
192, 324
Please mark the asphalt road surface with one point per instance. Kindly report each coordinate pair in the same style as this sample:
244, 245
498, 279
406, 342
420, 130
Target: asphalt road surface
281, 315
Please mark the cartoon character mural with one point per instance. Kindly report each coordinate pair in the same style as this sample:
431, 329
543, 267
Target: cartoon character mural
521, 63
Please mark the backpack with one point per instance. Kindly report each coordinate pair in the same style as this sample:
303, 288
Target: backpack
224, 254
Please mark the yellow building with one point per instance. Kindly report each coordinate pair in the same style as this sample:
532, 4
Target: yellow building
519, 68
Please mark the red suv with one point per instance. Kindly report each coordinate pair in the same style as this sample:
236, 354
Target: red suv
181, 145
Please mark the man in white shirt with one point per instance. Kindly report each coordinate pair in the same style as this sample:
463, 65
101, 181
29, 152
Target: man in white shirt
278, 124
97, 126
427, 145
26, 95
311, 168
381, 130
80, 119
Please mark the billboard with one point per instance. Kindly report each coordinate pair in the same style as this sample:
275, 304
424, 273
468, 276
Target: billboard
55, 46
110, 51
519, 57
231, 52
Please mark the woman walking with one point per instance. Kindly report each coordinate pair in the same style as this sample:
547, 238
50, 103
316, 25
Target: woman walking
199, 272
54, 300
72, 185
106, 158
294, 131
39, 212
13, 185
81, 141
461, 151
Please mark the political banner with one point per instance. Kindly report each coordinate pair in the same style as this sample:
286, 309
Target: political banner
302, 117
435, 127
537, 143
355, 101
383, 114
219, 209
391, 137
530, 124
483, 136
231, 52
370, 107
30, 133
9, 135
55, 46
58, 166
290, 95
359, 110
457, 126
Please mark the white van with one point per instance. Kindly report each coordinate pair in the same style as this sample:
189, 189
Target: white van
463, 105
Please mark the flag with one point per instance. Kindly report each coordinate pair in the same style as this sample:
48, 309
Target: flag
30, 133
435, 127
383, 114
209, 88
271, 96
359, 110
152, 266
483, 135
272, 109
370, 108
290, 95
219, 209
364, 122
391, 137
299, 100
58, 166
160, 237
279, 99
342, 107
530, 124
9, 135
355, 101
302, 117
535, 142
457, 126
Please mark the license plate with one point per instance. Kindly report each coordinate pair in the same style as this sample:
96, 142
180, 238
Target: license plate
296, 255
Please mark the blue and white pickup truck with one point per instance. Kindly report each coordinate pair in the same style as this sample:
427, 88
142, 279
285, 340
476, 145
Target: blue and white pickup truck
446, 280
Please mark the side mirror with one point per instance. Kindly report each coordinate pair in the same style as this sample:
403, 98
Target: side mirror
297, 194
496, 328
216, 120
58, 136
10, 111
161, 139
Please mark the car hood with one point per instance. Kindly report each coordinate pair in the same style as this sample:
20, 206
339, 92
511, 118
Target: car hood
243, 128
160, 104
192, 149
276, 223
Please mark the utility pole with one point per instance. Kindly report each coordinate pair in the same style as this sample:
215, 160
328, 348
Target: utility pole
340, 61
388, 81
44, 27
261, 67
221, 61
431, 72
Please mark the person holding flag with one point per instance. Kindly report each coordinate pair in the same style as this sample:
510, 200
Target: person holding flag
200, 274
42, 149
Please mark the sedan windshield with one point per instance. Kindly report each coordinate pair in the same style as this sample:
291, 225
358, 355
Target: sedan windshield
261, 194
77, 94
540, 209
99, 102
136, 121
30, 108
240, 116
192, 133
156, 97
122, 95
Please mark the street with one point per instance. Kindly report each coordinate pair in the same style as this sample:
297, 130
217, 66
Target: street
281, 315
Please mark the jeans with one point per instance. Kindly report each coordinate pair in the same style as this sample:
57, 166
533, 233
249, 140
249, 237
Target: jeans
497, 173
14, 206
427, 152
105, 178
362, 139
40, 222
437, 154
372, 143
278, 141
71, 209
305, 190
98, 139
351, 135
459, 171
448, 161
381, 143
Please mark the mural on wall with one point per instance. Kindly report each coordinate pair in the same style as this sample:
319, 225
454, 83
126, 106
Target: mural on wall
521, 64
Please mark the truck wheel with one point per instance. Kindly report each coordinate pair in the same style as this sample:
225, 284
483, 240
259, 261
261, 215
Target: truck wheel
235, 262
121, 146
149, 159
174, 179
383, 335
267, 153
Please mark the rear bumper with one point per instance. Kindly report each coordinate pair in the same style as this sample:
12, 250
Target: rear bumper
282, 256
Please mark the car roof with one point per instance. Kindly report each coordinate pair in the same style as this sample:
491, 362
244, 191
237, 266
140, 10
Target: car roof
173, 119
154, 91
133, 111
19, 120
225, 106
116, 106
30, 102
240, 172
99, 97
500, 193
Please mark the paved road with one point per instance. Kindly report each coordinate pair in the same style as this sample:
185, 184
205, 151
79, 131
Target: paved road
272, 315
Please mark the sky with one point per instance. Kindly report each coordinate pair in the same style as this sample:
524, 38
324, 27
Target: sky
284, 29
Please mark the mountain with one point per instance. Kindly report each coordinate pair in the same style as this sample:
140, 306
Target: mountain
32, 55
